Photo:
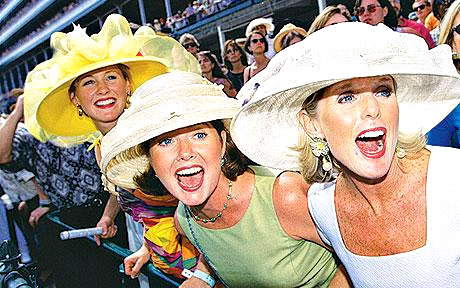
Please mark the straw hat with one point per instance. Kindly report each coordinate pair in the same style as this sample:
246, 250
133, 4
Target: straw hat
278, 40
260, 21
163, 104
428, 85
48, 110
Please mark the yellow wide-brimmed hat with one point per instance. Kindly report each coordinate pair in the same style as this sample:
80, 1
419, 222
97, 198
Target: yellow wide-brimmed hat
49, 113
278, 40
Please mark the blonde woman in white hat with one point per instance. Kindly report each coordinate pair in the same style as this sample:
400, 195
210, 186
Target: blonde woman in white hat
228, 210
79, 94
385, 203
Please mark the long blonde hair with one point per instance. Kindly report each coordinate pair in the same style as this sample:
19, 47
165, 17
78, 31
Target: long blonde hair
445, 29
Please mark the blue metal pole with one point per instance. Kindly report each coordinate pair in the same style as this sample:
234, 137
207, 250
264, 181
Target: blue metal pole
168, 8
140, 3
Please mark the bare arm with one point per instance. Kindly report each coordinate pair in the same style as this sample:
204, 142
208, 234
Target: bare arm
290, 194
107, 221
246, 75
8, 129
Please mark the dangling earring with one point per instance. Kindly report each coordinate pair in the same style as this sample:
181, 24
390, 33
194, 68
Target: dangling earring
222, 161
320, 149
128, 103
80, 111
400, 152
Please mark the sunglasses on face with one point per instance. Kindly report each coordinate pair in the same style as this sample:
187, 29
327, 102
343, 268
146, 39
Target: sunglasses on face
232, 50
371, 8
189, 45
421, 7
456, 29
445, 2
255, 40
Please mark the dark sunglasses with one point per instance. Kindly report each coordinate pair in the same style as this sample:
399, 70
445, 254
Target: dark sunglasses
232, 50
421, 7
456, 29
445, 2
255, 40
371, 8
189, 45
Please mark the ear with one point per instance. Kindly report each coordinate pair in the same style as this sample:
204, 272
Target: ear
129, 87
310, 125
223, 136
74, 99
385, 11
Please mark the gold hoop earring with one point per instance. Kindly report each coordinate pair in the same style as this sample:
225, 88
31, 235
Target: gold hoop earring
80, 111
320, 149
128, 102
400, 152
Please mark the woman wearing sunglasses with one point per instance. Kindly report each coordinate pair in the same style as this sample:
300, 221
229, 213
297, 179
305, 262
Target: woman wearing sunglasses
447, 132
374, 12
256, 45
236, 61
422, 9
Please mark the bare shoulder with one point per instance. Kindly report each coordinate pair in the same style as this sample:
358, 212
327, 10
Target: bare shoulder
290, 201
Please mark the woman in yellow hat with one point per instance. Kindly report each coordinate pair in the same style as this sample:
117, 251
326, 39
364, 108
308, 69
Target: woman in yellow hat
79, 94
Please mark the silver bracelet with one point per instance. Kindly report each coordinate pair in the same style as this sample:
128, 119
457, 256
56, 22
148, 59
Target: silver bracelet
200, 275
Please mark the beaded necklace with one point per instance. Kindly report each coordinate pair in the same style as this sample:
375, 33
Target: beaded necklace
205, 218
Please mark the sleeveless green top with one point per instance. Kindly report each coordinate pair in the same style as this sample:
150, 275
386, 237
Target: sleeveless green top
256, 252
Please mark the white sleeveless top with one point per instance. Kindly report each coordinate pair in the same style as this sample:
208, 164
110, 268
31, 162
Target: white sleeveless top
437, 264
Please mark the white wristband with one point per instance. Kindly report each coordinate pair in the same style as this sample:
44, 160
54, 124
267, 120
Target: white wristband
200, 275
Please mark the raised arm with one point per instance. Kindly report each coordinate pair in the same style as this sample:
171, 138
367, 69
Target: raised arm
8, 129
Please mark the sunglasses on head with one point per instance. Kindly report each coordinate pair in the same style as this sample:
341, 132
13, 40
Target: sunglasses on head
255, 40
189, 45
232, 50
456, 29
371, 8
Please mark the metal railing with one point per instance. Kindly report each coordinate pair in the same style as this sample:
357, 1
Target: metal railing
156, 277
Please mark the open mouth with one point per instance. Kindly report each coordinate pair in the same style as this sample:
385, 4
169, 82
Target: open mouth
105, 102
371, 142
190, 179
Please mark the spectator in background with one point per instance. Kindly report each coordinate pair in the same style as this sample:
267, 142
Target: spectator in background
439, 10
345, 11
374, 12
409, 26
447, 132
189, 42
235, 60
288, 35
422, 9
329, 16
157, 25
265, 27
210, 68
256, 45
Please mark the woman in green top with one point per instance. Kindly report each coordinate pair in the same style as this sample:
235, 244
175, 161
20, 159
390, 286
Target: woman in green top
248, 224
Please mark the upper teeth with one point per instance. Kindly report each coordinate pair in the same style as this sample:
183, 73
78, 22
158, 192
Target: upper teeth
189, 171
105, 102
371, 134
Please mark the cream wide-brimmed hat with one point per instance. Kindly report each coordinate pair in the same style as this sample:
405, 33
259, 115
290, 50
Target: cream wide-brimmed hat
267, 22
428, 85
49, 113
278, 40
165, 103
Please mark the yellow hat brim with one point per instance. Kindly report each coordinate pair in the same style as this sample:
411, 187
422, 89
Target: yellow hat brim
59, 116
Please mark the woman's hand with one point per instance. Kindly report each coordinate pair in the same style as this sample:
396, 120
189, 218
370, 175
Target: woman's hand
134, 262
109, 229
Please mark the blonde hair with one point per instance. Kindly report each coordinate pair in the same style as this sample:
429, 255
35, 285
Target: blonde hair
323, 17
445, 29
311, 166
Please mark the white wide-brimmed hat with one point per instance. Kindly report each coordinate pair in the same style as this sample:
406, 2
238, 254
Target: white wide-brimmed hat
267, 22
165, 103
428, 85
